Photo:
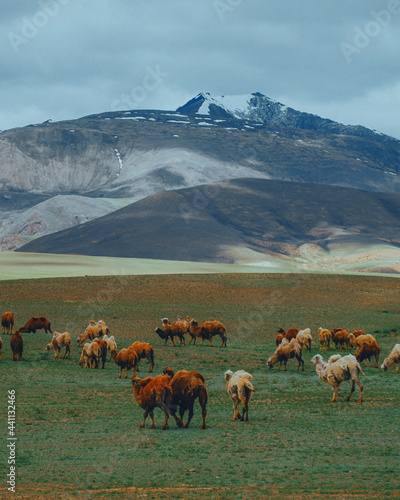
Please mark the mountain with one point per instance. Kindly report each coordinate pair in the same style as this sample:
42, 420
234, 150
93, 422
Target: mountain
238, 221
54, 214
260, 109
131, 155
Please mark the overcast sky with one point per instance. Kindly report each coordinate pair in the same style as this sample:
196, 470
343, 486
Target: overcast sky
63, 59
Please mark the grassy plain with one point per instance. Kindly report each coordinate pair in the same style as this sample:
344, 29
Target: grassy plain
77, 430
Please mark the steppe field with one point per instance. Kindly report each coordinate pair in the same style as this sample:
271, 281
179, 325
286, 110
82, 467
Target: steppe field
78, 430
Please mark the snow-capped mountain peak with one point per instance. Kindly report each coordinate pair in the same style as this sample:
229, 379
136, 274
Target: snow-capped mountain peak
258, 108
252, 107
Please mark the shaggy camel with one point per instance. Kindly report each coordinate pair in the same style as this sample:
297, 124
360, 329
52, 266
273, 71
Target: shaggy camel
17, 345
7, 322
151, 393
186, 388
126, 359
208, 330
285, 351
144, 350
58, 341
337, 370
240, 389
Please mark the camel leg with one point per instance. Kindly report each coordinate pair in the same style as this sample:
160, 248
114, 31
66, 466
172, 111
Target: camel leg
204, 415
143, 424
126, 373
245, 411
334, 395
235, 410
191, 413
166, 426
361, 390
353, 384
153, 423
179, 421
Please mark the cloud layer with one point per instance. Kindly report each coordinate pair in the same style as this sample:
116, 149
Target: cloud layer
63, 59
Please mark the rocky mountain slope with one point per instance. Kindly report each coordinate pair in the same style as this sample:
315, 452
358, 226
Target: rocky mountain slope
136, 154
242, 220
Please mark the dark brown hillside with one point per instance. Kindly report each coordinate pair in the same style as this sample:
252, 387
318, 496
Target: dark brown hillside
202, 223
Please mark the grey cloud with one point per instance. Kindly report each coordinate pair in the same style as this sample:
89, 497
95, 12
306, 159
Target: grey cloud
91, 53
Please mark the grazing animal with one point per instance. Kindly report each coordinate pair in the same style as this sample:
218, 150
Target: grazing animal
392, 359
278, 339
290, 334
111, 343
240, 389
337, 370
285, 351
340, 337
126, 359
359, 341
185, 324
36, 323
208, 330
368, 351
151, 393
1, 347
144, 350
324, 337
90, 355
357, 333
58, 341
187, 386
103, 350
304, 338
170, 331
17, 345
95, 329
7, 322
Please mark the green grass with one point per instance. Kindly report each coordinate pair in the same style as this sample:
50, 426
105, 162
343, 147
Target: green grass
78, 432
